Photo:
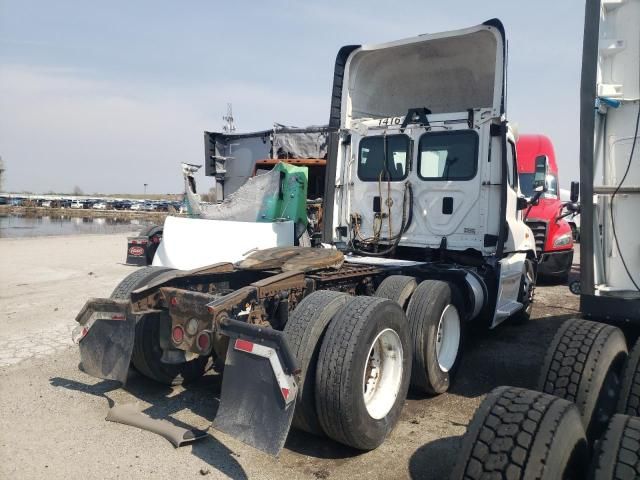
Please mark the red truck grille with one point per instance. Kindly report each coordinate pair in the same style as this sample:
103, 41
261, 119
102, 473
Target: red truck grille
539, 230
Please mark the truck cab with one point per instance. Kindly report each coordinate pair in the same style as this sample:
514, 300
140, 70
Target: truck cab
537, 167
424, 158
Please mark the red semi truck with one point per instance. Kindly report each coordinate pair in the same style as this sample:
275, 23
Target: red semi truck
537, 167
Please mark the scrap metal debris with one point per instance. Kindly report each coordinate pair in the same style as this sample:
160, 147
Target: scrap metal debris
130, 414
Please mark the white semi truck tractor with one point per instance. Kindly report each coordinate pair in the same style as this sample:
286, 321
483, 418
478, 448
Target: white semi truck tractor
422, 237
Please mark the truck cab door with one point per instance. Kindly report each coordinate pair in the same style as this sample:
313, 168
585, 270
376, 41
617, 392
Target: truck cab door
519, 240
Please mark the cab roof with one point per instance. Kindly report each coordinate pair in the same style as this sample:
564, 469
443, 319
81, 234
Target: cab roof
529, 146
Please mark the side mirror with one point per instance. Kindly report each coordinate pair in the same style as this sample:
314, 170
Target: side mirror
535, 200
575, 192
572, 207
569, 209
521, 203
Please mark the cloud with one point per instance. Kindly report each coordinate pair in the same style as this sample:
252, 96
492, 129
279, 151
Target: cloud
61, 127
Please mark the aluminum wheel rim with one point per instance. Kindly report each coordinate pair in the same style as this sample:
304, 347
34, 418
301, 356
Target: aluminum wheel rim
528, 286
382, 374
448, 338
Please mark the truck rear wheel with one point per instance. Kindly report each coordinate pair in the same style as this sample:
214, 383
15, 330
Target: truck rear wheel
135, 280
304, 331
584, 365
397, 288
363, 372
436, 334
630, 392
521, 434
617, 455
147, 353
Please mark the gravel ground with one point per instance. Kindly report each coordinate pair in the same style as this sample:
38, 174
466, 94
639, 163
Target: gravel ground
52, 415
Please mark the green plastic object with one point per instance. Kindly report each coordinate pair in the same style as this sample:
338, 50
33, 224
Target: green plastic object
290, 201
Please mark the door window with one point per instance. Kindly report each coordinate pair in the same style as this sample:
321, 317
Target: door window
372, 164
448, 155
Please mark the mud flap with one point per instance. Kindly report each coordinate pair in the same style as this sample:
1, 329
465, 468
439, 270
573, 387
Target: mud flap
259, 387
105, 334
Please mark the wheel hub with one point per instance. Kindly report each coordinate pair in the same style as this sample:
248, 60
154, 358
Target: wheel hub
448, 338
383, 373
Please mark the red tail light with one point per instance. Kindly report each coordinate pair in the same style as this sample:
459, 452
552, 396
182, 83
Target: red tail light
204, 342
177, 335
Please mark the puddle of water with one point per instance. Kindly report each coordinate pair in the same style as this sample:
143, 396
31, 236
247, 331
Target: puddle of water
12, 226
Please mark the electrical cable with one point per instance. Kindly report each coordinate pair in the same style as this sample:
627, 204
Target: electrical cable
613, 196
406, 221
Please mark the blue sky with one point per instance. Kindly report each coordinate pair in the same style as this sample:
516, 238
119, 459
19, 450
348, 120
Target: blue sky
108, 96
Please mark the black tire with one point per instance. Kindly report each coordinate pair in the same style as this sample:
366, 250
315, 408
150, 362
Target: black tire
424, 313
584, 365
398, 288
147, 353
344, 357
522, 434
135, 280
304, 331
617, 456
629, 402
151, 230
526, 293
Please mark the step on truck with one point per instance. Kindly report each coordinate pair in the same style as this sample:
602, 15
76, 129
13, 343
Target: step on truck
422, 237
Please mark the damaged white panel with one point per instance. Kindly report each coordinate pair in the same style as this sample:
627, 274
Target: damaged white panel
189, 243
243, 205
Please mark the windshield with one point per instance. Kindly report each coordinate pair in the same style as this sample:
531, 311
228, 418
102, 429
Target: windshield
527, 185
448, 155
372, 165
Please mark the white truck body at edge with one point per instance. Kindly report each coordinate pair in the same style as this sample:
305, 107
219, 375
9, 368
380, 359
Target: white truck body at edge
619, 49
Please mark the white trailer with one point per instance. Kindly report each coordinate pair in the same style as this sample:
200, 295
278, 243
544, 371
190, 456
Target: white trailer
583, 418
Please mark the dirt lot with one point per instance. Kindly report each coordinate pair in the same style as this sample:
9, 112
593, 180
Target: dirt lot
52, 415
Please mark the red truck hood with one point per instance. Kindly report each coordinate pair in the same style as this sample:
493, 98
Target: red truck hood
546, 210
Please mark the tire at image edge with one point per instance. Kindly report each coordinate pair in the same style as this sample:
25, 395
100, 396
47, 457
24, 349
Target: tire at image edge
617, 454
520, 434
629, 402
583, 365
